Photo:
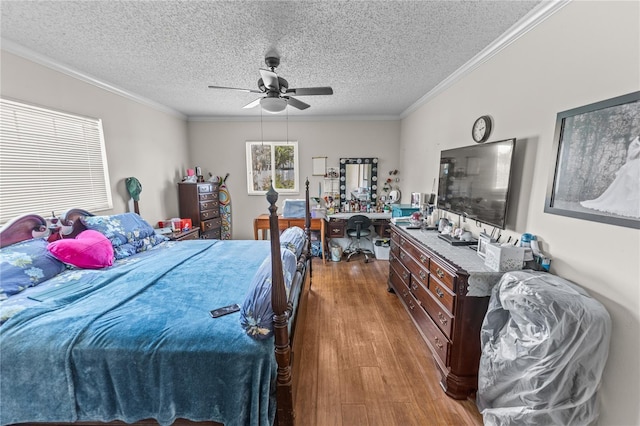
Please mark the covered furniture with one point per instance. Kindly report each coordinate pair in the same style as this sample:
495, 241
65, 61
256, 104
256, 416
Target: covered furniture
358, 228
136, 341
545, 343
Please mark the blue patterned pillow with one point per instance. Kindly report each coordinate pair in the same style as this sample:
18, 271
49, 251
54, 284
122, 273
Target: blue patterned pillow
128, 232
293, 239
26, 264
256, 314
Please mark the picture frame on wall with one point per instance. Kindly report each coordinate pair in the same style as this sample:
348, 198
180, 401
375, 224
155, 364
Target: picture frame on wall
319, 166
275, 162
597, 168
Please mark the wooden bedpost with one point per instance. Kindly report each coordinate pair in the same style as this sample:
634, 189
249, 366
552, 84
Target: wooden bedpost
279, 302
307, 230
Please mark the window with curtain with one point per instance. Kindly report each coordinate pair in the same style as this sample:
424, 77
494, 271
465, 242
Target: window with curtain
50, 161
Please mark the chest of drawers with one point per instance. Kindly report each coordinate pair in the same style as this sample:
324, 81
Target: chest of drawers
199, 202
434, 292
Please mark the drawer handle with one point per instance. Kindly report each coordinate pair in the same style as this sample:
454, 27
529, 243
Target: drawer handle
405, 275
402, 255
336, 231
423, 258
411, 305
422, 275
439, 273
438, 344
442, 318
439, 292
402, 241
414, 286
404, 293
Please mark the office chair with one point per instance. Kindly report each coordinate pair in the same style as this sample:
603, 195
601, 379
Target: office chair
358, 227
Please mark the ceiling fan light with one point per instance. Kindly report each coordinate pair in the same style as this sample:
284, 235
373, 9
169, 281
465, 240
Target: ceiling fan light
273, 105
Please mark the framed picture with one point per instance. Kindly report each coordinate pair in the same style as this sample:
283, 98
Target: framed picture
597, 172
319, 166
483, 241
275, 162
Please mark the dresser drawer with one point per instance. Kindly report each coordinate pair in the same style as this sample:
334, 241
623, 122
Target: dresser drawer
205, 187
438, 313
438, 342
395, 238
209, 214
445, 277
417, 272
396, 282
420, 256
210, 205
207, 197
210, 225
336, 229
399, 269
442, 293
214, 234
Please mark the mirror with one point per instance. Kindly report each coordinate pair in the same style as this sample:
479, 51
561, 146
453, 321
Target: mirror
359, 179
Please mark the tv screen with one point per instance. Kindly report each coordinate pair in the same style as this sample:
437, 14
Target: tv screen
474, 181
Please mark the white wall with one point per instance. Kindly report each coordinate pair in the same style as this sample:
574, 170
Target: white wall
140, 141
586, 52
219, 147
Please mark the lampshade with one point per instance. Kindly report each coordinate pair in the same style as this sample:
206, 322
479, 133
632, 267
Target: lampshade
273, 104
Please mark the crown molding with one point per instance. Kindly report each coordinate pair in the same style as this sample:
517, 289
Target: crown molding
537, 15
295, 118
19, 50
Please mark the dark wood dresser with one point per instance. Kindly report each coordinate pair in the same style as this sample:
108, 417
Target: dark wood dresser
199, 202
434, 291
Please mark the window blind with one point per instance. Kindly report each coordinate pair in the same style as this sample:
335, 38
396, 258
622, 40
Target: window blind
50, 161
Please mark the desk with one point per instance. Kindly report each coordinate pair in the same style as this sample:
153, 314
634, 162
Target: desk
338, 223
262, 223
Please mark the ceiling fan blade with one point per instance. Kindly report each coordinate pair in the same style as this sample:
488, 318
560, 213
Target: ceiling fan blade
307, 91
270, 80
253, 104
235, 88
296, 103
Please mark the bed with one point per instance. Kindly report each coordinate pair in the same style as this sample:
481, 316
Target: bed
135, 342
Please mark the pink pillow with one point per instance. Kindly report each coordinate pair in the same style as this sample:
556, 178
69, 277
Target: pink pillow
89, 250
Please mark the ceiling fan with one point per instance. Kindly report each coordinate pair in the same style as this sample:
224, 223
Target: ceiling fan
277, 91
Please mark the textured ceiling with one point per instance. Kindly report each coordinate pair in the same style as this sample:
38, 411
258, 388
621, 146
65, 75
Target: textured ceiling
380, 57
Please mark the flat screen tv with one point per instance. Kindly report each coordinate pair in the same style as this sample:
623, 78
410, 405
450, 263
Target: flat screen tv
475, 180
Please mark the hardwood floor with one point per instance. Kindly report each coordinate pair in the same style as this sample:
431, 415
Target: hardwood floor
363, 361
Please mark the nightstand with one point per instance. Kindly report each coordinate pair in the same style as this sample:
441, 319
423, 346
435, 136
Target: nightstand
191, 234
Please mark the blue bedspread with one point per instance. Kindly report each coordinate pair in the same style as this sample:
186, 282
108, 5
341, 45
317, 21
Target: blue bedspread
140, 343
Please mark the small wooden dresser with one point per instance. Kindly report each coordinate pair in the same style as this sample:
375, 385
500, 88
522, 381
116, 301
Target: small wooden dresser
435, 293
199, 202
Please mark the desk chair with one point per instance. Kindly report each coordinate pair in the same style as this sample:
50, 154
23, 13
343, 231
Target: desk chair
358, 227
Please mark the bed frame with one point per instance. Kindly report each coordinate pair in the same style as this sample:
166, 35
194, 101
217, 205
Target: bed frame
34, 226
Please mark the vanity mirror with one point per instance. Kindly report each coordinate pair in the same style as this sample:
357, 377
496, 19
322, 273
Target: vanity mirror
359, 179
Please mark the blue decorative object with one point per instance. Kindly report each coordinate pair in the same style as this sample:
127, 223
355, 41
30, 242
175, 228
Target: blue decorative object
294, 208
293, 239
128, 232
26, 264
256, 314
142, 331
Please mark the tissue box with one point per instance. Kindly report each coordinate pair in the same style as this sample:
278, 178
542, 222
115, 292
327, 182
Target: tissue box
504, 258
293, 208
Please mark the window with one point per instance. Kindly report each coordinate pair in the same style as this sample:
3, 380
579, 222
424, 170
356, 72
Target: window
275, 162
50, 161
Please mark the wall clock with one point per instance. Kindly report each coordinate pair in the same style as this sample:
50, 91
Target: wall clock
482, 129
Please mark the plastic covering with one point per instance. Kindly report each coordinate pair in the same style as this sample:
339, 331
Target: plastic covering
545, 343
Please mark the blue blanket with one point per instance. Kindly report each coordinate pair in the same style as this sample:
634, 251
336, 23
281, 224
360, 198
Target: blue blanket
140, 343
